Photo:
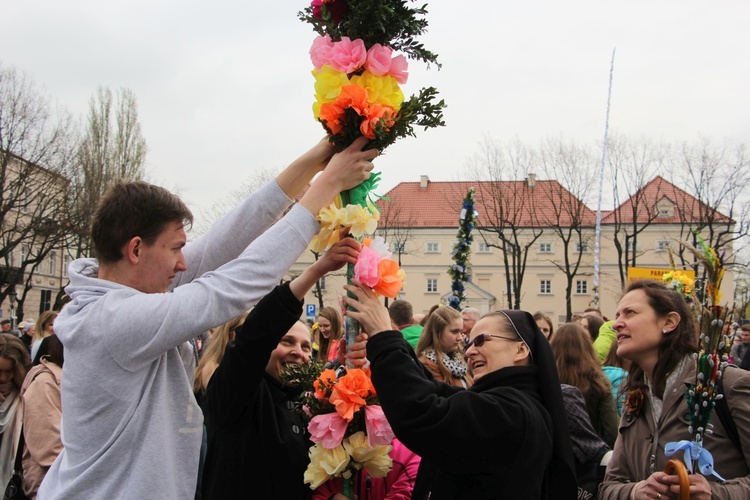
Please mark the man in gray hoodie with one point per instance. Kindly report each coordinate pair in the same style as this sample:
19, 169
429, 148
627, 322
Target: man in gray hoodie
131, 427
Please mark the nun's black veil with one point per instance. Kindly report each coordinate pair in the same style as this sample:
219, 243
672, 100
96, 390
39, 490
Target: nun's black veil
562, 468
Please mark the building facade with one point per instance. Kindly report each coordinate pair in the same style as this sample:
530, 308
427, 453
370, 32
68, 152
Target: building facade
537, 225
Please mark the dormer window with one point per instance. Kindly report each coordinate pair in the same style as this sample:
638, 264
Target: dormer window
664, 209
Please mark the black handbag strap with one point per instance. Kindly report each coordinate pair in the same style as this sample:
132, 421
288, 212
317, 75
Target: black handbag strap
722, 411
19, 453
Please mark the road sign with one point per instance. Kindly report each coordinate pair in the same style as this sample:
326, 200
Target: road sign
310, 310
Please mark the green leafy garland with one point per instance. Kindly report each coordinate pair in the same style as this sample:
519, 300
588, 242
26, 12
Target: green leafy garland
462, 252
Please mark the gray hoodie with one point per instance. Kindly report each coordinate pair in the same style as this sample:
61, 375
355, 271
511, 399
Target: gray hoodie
131, 427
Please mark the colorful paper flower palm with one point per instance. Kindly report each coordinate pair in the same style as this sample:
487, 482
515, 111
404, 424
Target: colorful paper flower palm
358, 70
345, 422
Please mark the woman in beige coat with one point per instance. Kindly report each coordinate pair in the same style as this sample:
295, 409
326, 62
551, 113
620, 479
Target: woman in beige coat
41, 416
656, 331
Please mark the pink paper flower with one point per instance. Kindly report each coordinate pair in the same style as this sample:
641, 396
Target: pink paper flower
320, 52
379, 59
328, 428
398, 69
379, 431
366, 268
348, 56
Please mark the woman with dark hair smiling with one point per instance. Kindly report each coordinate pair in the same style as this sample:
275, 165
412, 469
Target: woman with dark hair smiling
505, 437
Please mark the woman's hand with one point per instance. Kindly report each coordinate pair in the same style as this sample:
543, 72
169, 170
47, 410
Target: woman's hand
664, 486
345, 251
368, 310
357, 355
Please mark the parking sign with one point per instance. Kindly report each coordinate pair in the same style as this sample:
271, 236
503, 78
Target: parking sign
310, 310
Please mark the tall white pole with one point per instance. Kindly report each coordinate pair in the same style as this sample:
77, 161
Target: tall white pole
601, 182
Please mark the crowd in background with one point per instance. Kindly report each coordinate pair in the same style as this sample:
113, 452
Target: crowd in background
161, 391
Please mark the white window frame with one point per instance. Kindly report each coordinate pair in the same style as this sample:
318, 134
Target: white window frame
582, 287
662, 245
432, 247
398, 247
66, 262
484, 247
582, 247
545, 247
545, 287
53, 263
432, 285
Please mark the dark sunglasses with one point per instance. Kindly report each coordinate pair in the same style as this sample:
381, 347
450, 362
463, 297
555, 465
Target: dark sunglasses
480, 339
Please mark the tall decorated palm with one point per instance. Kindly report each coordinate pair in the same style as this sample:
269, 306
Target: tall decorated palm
712, 357
461, 253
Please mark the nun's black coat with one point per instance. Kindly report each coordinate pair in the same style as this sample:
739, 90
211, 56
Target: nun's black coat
495, 440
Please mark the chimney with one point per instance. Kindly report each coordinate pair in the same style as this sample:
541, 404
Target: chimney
531, 181
423, 181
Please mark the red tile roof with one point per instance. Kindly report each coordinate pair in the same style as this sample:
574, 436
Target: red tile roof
643, 205
438, 205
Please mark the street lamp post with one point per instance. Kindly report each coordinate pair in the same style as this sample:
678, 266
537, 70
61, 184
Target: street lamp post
12, 299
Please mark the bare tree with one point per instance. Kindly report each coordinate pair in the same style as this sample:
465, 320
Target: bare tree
633, 166
718, 178
112, 149
233, 198
566, 213
396, 226
36, 149
508, 208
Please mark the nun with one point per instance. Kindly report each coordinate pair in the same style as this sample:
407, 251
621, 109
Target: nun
505, 437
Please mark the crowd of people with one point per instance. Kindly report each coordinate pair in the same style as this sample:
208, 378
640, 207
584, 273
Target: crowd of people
176, 350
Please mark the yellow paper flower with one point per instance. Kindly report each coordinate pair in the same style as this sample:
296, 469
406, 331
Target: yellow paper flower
325, 464
380, 89
324, 240
328, 83
380, 465
375, 460
360, 220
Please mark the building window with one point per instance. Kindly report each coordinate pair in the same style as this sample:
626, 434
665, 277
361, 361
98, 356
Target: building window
45, 301
631, 246
432, 247
24, 253
582, 287
398, 247
582, 247
545, 287
661, 246
484, 248
53, 263
545, 247
66, 263
322, 283
432, 285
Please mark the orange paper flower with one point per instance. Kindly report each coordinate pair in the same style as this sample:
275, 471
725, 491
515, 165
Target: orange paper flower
349, 393
323, 384
391, 279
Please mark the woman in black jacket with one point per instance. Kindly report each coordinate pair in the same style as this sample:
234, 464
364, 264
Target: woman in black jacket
257, 443
506, 437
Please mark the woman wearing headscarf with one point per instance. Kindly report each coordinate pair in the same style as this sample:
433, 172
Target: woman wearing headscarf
505, 437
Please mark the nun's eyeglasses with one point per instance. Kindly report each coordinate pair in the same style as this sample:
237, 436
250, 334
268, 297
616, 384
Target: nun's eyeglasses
480, 339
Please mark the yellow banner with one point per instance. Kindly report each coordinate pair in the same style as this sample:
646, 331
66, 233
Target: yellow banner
655, 273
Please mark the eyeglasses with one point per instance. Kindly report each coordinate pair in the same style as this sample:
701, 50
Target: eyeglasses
480, 339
